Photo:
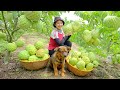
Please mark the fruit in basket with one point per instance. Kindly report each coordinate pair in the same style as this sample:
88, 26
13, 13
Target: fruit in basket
86, 59
89, 66
73, 61
33, 58
38, 45
40, 53
46, 56
91, 56
31, 49
95, 63
80, 65
23, 55
77, 53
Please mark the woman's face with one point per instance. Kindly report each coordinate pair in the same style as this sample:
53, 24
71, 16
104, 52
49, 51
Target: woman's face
59, 24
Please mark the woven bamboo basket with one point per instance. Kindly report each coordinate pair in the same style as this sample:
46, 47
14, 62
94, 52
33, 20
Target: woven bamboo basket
75, 70
34, 65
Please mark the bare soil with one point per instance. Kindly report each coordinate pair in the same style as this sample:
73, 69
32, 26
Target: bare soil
13, 69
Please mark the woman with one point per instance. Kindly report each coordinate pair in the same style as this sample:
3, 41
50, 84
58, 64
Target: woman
57, 37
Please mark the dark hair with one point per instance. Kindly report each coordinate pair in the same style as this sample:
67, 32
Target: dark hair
56, 19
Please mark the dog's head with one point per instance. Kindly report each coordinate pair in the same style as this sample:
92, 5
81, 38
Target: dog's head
63, 50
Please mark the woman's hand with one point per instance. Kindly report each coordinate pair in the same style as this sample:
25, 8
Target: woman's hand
69, 34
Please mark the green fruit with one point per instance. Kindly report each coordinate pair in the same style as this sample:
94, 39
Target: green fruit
33, 58
112, 22
33, 16
80, 65
73, 61
31, 49
96, 41
23, 55
23, 22
3, 45
91, 56
95, 63
87, 35
20, 43
46, 56
11, 46
76, 26
86, 59
39, 45
95, 33
37, 25
40, 53
89, 66
2, 36
67, 28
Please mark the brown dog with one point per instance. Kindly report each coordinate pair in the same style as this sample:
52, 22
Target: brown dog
57, 60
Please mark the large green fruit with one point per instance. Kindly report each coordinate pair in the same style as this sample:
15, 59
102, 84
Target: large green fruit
39, 45
31, 49
80, 65
112, 22
11, 46
95, 63
2, 36
73, 61
40, 53
37, 25
68, 28
95, 33
3, 45
96, 41
87, 35
76, 26
33, 58
91, 56
20, 43
89, 66
86, 59
33, 15
23, 22
23, 55
46, 56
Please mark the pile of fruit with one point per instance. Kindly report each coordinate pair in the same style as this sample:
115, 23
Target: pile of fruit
82, 60
91, 37
34, 52
14, 45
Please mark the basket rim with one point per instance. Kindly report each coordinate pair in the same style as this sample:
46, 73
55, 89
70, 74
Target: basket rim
34, 61
77, 68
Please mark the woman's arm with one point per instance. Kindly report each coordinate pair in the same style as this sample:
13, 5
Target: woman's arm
61, 43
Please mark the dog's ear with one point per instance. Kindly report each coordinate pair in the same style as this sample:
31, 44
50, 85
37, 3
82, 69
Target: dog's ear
57, 49
68, 48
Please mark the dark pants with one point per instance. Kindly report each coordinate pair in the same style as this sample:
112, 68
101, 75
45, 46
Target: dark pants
67, 43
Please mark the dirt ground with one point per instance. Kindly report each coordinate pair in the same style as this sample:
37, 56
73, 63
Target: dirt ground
13, 69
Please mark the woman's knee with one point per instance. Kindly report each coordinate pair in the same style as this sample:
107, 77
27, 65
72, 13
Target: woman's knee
51, 52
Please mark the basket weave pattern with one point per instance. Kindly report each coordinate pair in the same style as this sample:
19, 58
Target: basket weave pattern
75, 70
34, 65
